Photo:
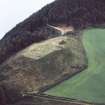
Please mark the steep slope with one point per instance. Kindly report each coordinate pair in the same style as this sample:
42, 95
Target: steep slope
79, 14
42, 65
90, 84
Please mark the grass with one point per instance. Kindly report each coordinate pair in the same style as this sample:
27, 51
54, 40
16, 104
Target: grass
88, 85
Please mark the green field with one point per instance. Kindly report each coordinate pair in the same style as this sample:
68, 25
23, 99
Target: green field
88, 85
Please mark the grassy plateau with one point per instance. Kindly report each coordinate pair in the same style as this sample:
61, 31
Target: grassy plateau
88, 85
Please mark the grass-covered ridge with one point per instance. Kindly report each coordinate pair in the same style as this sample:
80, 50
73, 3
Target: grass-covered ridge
89, 85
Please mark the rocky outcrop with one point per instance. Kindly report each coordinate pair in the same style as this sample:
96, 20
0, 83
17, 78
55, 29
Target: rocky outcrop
41, 66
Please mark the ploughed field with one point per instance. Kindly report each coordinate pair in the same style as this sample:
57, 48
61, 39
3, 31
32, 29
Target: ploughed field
88, 85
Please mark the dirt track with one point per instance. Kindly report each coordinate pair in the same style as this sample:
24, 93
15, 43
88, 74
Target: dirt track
48, 100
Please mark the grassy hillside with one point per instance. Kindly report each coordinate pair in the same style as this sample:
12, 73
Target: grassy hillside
90, 84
